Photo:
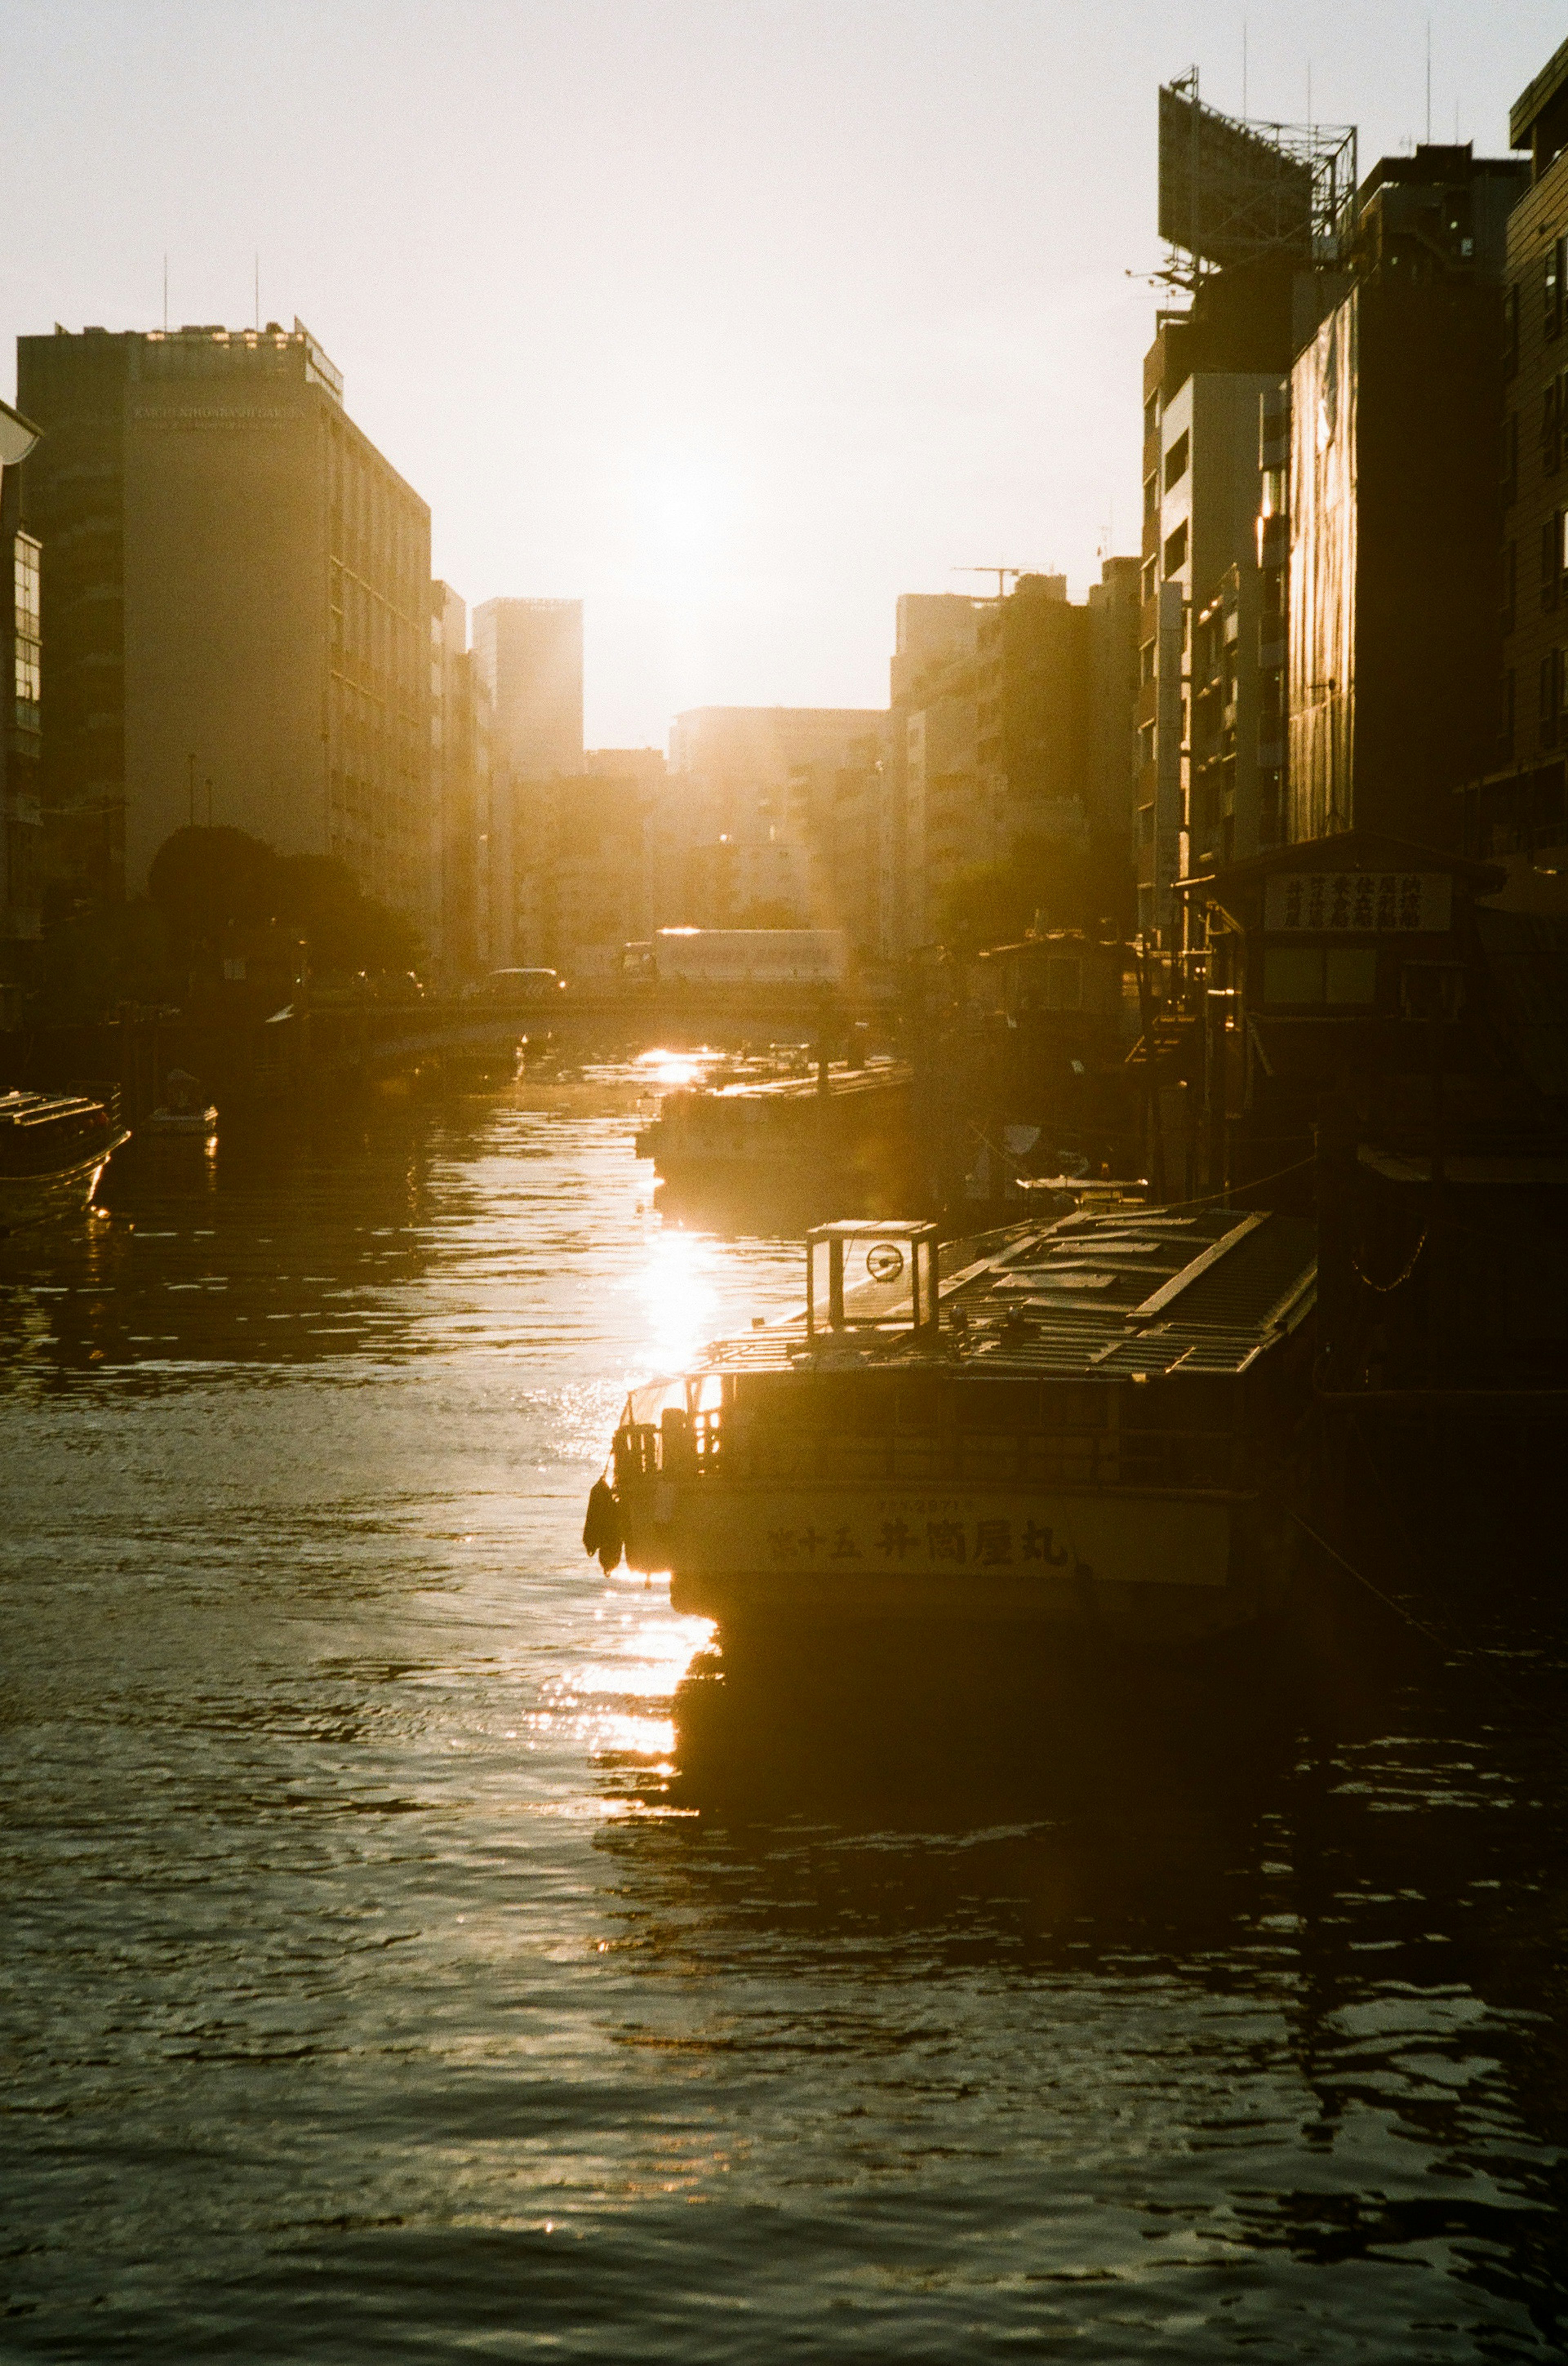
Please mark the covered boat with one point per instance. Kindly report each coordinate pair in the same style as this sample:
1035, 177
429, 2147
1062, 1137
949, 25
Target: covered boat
53, 1148
1096, 1423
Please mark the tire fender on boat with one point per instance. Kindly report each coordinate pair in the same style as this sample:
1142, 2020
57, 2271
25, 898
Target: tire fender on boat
602, 1532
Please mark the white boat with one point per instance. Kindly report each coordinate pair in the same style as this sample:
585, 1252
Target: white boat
184, 1116
1093, 1424
53, 1148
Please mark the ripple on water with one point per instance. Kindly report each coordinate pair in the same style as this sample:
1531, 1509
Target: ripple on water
417, 1943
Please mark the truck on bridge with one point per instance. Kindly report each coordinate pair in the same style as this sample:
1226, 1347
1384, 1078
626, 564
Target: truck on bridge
739, 957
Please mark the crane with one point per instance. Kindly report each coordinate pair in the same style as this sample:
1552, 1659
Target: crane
1001, 573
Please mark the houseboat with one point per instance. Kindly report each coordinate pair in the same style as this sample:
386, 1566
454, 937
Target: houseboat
1096, 1423
53, 1148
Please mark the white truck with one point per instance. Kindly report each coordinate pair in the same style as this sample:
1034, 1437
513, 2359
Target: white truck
740, 957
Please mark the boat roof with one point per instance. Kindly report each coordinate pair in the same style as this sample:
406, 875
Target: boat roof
1135, 1294
23, 1109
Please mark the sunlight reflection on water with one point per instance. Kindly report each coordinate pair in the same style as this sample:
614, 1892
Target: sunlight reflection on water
408, 1958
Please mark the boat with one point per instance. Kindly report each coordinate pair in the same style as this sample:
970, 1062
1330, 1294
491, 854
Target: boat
1096, 1423
53, 1148
183, 1115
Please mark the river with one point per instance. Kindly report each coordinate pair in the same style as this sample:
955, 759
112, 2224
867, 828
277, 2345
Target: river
396, 1965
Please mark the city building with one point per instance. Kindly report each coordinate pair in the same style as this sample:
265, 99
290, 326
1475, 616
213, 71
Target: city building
731, 851
235, 590
1518, 810
1252, 216
1396, 416
461, 926
932, 628
585, 882
928, 742
531, 656
1206, 376
21, 660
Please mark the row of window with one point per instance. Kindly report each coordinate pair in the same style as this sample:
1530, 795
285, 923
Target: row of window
27, 686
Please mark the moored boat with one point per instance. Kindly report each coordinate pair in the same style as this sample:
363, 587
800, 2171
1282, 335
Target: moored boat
1095, 1424
53, 1148
184, 1114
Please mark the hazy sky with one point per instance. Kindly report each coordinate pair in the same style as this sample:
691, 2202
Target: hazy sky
736, 317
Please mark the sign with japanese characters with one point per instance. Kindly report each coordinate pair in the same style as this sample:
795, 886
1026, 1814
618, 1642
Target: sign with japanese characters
842, 1545
1359, 903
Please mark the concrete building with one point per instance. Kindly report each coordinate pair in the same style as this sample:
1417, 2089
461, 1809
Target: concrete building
235, 590
462, 928
933, 628
731, 852
1205, 379
1518, 810
21, 673
531, 657
585, 868
1397, 418
932, 678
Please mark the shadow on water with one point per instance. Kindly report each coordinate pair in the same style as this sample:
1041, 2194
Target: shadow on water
1340, 1852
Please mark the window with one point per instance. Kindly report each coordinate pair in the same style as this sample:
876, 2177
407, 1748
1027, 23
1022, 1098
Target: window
1551, 431
1507, 587
1550, 695
1552, 287
1506, 714
1511, 330
1343, 976
1508, 470
1151, 496
1151, 417
27, 687
1350, 973
1064, 982
1292, 974
1146, 744
1150, 578
1551, 559
1176, 549
1176, 460
1146, 661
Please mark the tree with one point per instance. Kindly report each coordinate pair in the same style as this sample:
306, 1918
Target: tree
206, 882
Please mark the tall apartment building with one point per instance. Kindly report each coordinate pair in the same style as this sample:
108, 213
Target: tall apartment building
531, 656
927, 753
461, 926
235, 589
1396, 417
1519, 810
1205, 379
21, 669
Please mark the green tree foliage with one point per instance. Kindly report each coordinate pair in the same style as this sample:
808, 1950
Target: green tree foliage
1060, 883
206, 882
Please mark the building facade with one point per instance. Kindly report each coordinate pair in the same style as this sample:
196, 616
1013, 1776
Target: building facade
530, 654
235, 589
21, 679
1393, 636
1519, 810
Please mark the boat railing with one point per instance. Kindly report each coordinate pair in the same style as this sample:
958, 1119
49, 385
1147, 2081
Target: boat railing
706, 1445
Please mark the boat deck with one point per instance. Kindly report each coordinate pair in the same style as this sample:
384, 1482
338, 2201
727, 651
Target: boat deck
1095, 1296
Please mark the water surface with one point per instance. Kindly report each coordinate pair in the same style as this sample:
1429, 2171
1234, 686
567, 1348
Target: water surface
400, 1960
